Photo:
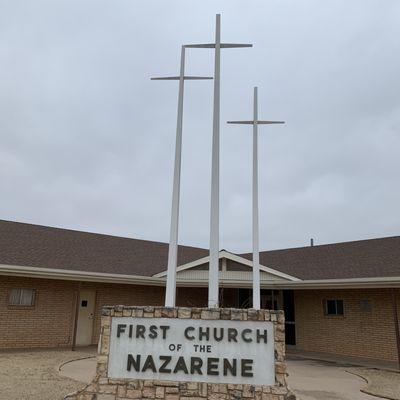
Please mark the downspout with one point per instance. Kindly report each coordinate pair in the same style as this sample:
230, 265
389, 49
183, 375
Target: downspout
76, 314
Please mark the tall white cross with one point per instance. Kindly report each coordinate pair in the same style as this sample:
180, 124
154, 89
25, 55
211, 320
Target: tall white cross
170, 291
256, 251
213, 286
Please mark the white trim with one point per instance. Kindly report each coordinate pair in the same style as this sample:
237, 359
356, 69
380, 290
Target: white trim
63, 274
73, 275
233, 257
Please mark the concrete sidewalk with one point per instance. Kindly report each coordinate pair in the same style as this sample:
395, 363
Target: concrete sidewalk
293, 354
82, 370
317, 380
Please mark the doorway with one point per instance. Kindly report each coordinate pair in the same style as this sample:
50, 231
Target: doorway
290, 322
272, 299
84, 331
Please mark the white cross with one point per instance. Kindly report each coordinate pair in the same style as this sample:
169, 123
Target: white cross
256, 251
170, 291
213, 286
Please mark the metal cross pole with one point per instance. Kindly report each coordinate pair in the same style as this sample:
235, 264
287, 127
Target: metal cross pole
256, 251
170, 291
213, 287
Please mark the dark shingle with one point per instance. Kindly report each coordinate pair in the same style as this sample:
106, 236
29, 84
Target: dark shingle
359, 259
46, 247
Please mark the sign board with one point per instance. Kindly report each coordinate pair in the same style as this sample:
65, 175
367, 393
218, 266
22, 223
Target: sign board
217, 351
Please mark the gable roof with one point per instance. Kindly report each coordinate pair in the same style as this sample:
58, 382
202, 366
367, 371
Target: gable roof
45, 247
232, 257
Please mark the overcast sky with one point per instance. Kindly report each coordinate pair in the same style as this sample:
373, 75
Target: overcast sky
87, 140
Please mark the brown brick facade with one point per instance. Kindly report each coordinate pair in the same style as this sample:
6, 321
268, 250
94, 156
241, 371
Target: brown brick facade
359, 333
50, 322
43, 326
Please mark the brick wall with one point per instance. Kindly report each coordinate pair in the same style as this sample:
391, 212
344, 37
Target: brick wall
135, 295
50, 322
358, 333
47, 324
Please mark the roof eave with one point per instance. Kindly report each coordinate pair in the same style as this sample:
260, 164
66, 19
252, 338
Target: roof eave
73, 275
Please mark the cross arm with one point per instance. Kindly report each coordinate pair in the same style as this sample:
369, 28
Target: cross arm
258, 122
212, 45
176, 78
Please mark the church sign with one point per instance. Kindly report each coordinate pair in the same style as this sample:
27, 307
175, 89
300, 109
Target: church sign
215, 351
175, 353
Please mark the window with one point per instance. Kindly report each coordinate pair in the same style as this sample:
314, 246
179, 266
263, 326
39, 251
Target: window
365, 305
22, 297
333, 307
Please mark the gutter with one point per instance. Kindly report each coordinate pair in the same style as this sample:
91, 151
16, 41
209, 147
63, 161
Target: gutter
73, 275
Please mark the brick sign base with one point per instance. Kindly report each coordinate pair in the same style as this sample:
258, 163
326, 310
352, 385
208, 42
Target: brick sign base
104, 388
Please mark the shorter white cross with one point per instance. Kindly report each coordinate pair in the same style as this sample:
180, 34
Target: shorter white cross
256, 251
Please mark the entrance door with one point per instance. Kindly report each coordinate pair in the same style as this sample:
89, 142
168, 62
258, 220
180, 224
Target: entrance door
84, 330
290, 323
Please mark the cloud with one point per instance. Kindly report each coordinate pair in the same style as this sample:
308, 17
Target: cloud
87, 139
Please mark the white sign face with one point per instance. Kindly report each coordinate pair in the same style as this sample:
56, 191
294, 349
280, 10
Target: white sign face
217, 351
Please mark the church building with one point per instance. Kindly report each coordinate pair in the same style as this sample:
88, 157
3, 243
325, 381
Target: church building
338, 299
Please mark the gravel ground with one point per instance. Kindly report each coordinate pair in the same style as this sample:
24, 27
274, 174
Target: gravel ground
33, 375
381, 383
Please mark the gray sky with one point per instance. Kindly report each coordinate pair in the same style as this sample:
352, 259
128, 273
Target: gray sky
87, 140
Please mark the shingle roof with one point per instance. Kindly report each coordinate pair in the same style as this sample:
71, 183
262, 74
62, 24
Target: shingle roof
46, 247
358, 259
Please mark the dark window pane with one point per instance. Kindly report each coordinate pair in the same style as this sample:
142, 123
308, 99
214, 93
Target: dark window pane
331, 307
366, 305
339, 307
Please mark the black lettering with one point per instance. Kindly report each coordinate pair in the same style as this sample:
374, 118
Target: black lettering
187, 330
206, 333
195, 365
212, 366
247, 367
231, 367
232, 334
164, 329
120, 329
149, 364
163, 368
246, 339
181, 366
133, 363
130, 330
140, 330
153, 332
221, 334
261, 336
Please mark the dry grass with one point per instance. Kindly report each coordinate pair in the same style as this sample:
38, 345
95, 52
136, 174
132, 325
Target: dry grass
33, 375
